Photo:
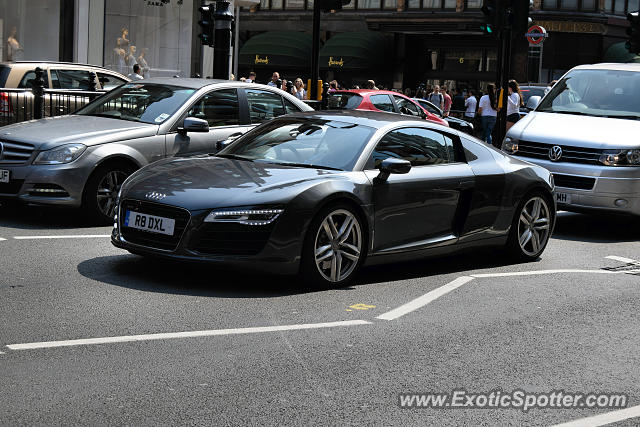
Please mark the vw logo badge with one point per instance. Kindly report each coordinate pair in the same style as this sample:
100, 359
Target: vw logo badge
555, 153
154, 195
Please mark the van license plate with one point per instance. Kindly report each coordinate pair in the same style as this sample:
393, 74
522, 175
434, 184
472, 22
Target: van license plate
4, 175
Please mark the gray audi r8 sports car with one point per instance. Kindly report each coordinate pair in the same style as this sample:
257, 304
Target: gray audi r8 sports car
323, 193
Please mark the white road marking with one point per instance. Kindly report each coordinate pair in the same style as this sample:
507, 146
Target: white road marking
189, 334
541, 272
604, 419
76, 236
623, 259
2, 240
424, 299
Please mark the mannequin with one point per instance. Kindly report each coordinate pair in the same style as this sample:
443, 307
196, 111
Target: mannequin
120, 52
130, 59
14, 50
142, 62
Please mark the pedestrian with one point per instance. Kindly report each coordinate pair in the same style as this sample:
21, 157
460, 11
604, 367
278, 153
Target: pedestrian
371, 85
251, 78
470, 104
333, 85
274, 79
457, 103
514, 102
446, 100
137, 73
298, 89
487, 110
436, 97
408, 92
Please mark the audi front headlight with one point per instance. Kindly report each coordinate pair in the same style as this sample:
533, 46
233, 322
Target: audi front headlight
60, 155
626, 157
510, 145
244, 216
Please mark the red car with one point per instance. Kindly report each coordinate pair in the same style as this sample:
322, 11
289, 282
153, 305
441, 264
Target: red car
380, 100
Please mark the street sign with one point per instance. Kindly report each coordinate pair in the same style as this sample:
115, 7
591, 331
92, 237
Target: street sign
536, 35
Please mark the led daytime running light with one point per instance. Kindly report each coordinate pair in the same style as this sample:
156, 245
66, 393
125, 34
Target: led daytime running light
244, 216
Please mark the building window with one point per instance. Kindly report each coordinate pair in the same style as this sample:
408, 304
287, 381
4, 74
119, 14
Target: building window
154, 35
30, 30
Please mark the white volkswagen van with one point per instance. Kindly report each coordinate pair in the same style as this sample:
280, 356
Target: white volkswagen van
586, 131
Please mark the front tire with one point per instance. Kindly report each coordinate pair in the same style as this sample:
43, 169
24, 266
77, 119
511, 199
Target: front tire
101, 190
531, 227
334, 248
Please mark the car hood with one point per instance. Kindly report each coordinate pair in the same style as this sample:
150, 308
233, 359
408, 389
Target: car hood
210, 182
53, 131
576, 131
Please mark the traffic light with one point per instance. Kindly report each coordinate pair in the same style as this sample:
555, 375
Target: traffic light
206, 23
633, 43
332, 5
519, 16
491, 24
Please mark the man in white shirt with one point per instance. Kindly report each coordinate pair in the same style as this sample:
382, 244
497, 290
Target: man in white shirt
137, 73
470, 104
274, 79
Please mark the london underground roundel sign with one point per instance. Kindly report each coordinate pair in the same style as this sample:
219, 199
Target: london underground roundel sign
536, 35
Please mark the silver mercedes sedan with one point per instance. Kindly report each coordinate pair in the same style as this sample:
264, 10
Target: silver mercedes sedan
80, 160
585, 131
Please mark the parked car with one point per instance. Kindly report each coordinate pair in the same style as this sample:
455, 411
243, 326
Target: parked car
83, 158
327, 191
380, 100
454, 122
585, 132
60, 76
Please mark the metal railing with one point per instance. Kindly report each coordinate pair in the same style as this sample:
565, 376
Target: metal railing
19, 105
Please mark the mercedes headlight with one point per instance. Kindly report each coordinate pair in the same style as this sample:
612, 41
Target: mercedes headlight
510, 145
60, 155
626, 157
245, 216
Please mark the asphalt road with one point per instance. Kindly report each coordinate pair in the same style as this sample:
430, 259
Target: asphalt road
563, 323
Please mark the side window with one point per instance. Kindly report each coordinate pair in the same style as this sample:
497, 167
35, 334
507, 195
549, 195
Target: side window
407, 107
218, 108
263, 105
29, 77
109, 82
382, 102
73, 79
289, 107
420, 146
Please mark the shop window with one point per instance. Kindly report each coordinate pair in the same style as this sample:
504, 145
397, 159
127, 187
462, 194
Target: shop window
154, 35
450, 4
294, 4
390, 4
608, 5
276, 4
588, 4
413, 4
30, 30
474, 4
632, 6
432, 4
569, 4
618, 6
264, 4
368, 4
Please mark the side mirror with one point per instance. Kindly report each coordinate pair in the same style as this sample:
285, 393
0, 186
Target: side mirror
532, 103
192, 124
392, 165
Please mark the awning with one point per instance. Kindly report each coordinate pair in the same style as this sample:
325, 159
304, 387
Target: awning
277, 49
355, 51
617, 52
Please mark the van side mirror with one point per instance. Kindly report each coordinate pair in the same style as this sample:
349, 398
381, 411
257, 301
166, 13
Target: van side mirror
533, 102
392, 165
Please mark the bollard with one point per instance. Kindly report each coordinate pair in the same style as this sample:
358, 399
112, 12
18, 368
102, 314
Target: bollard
38, 94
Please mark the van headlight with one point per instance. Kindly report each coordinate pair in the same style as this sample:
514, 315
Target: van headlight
60, 155
510, 145
626, 157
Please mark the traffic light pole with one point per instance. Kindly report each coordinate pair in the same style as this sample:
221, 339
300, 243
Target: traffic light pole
223, 17
503, 81
315, 52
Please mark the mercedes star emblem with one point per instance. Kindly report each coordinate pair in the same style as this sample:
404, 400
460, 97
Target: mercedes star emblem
555, 153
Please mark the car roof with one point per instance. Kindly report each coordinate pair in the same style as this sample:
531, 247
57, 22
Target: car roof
374, 119
31, 64
609, 66
363, 92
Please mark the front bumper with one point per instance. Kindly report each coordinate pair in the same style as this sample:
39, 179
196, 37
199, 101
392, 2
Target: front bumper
60, 185
593, 187
279, 255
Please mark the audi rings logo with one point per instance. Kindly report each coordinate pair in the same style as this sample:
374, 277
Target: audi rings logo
154, 195
555, 153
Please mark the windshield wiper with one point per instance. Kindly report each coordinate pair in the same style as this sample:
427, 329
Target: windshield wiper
622, 116
577, 113
306, 165
232, 156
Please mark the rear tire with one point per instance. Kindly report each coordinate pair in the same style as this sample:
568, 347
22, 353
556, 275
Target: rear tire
101, 190
334, 247
531, 227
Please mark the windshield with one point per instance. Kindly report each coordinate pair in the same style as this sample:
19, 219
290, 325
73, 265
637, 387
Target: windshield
344, 101
146, 103
602, 93
304, 142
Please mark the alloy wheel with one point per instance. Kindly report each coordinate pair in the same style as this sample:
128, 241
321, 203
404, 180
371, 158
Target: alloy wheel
533, 226
338, 245
108, 189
